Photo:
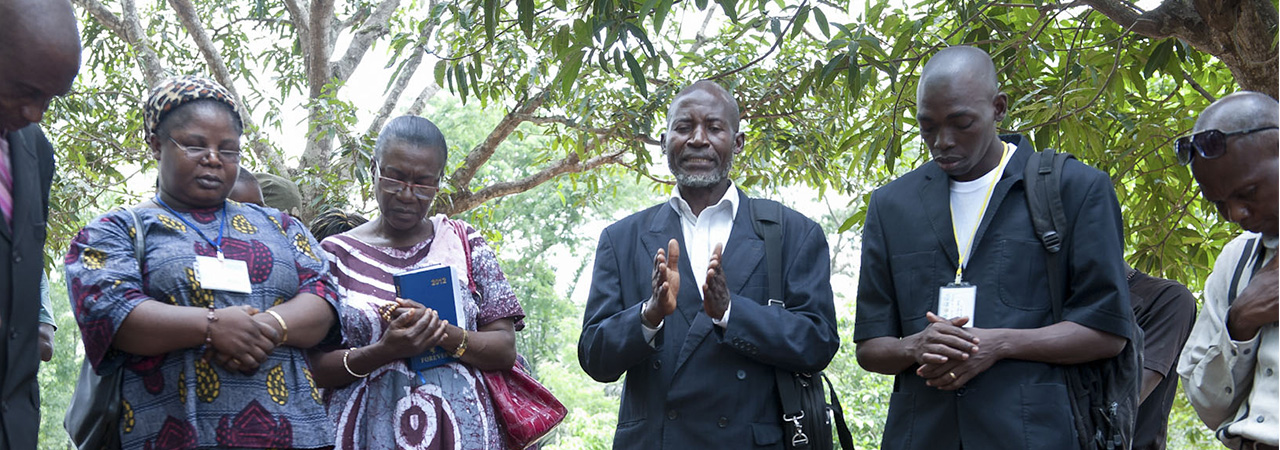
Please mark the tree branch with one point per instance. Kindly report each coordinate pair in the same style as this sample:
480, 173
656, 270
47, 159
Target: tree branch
190, 19
359, 16
781, 36
376, 26
1194, 85
421, 101
300, 16
599, 132
406, 74
129, 29
462, 201
318, 47
481, 153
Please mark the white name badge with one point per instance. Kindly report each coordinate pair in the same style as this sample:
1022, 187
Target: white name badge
224, 274
957, 300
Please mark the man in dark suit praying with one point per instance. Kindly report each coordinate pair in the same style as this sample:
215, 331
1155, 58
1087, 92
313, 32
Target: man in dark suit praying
679, 299
39, 58
954, 297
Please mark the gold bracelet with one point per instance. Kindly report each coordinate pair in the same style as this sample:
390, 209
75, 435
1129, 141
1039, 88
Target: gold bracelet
462, 348
347, 366
284, 329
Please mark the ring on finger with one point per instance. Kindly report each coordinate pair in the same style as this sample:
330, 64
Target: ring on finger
953, 375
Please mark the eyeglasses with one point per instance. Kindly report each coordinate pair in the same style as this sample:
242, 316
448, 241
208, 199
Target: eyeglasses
1208, 144
198, 153
394, 187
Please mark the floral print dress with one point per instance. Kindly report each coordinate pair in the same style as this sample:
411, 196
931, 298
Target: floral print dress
178, 400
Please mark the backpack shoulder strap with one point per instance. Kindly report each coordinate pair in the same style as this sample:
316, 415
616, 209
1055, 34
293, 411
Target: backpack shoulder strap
1245, 255
1043, 178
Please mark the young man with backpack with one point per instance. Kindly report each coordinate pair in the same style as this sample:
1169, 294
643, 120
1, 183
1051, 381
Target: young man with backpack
958, 295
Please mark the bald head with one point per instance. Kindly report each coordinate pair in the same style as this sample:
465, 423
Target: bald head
960, 66
1240, 111
731, 105
40, 47
958, 108
1240, 176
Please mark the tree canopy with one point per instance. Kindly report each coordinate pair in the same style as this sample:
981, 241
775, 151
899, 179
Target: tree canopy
825, 87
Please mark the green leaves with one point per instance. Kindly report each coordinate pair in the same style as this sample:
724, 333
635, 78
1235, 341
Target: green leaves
1160, 54
637, 74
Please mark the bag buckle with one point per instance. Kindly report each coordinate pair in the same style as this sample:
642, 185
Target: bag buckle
776, 302
799, 438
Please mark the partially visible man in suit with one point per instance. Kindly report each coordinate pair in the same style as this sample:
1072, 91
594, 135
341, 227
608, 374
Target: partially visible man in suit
1230, 367
39, 58
953, 294
679, 299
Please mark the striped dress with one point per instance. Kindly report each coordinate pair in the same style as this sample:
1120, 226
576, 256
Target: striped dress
391, 408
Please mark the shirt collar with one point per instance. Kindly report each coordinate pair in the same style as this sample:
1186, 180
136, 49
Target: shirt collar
729, 200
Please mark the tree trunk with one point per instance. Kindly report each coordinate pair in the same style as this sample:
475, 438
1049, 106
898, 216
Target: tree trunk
1240, 33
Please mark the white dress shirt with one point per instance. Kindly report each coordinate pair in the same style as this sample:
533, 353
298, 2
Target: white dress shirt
702, 232
1233, 384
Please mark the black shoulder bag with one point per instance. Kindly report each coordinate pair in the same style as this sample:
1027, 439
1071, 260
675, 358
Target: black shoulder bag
806, 415
93, 417
1104, 394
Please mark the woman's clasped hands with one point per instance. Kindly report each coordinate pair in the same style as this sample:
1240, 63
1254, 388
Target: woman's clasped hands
241, 338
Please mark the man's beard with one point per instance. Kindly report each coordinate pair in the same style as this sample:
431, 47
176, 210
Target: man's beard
702, 180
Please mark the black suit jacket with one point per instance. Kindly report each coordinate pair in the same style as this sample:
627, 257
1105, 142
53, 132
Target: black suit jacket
704, 386
21, 266
909, 251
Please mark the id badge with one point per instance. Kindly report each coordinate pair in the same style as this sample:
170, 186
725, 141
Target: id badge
957, 300
226, 274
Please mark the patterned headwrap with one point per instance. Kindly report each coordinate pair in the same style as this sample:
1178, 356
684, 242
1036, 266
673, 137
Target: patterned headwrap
178, 91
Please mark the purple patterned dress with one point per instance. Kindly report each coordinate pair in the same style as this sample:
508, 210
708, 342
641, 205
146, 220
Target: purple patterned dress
391, 408
177, 400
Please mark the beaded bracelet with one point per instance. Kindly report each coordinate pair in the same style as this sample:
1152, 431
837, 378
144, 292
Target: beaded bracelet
284, 329
347, 366
208, 328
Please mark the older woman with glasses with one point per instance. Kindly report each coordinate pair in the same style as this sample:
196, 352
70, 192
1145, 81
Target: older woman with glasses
376, 401
210, 321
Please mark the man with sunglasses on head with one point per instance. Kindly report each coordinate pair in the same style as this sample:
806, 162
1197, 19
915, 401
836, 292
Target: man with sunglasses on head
1229, 365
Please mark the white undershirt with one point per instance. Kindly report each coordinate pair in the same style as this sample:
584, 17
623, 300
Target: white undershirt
967, 198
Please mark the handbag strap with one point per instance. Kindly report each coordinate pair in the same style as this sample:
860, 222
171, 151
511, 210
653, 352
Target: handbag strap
461, 230
766, 220
139, 240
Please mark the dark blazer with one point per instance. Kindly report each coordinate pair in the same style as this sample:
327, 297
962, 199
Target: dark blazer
704, 386
21, 266
909, 251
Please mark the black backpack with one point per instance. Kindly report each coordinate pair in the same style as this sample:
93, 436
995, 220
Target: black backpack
1104, 394
806, 412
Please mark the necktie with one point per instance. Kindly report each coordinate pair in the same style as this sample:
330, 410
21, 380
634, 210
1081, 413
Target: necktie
6, 180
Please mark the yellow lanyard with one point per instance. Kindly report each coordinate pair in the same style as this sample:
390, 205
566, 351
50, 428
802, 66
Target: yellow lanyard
961, 250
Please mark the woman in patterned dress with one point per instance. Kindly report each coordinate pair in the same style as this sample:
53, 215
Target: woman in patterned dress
376, 402
211, 329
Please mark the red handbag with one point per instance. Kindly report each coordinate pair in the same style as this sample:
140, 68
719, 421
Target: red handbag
524, 407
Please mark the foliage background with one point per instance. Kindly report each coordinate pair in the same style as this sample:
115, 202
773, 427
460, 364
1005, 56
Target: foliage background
553, 109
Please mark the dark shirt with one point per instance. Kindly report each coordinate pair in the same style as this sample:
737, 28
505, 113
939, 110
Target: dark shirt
1165, 310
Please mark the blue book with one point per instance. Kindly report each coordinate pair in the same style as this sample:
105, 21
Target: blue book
438, 287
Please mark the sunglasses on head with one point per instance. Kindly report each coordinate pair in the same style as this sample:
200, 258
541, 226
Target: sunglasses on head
1208, 144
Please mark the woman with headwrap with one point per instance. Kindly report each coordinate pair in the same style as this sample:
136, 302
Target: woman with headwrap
212, 324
